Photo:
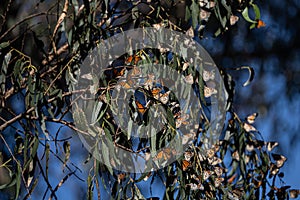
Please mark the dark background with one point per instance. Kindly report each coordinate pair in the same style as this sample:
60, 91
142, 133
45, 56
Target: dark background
274, 52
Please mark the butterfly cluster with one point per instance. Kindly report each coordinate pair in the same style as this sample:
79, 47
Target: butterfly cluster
224, 163
204, 170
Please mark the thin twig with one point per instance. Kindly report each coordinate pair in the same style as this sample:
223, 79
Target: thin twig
16, 118
20, 22
59, 21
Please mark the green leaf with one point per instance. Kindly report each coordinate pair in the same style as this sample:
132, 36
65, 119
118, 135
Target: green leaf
47, 153
80, 119
67, 150
245, 14
105, 152
129, 129
153, 145
252, 26
195, 13
33, 146
54, 93
256, 11
18, 180
4, 71
218, 32
90, 188
44, 128
187, 13
96, 110
4, 44
170, 118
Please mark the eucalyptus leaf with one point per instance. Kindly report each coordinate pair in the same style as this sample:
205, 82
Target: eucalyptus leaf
195, 13
4, 44
105, 151
3, 72
256, 11
80, 119
245, 14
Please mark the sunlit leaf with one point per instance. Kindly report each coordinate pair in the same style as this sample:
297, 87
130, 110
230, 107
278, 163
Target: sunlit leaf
4, 44
245, 14
256, 11
67, 150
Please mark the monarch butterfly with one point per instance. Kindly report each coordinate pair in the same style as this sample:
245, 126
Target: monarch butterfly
189, 79
247, 159
210, 153
186, 164
219, 171
190, 32
233, 19
235, 155
207, 174
188, 155
204, 15
133, 59
218, 181
216, 147
214, 161
185, 66
188, 138
250, 147
271, 145
208, 75
260, 24
141, 108
125, 85
274, 170
209, 91
279, 159
294, 193
256, 183
251, 118
160, 155
166, 153
179, 121
248, 127
121, 177
117, 72
155, 92
232, 178
195, 186
164, 98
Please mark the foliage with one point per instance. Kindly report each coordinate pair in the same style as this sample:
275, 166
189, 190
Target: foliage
40, 66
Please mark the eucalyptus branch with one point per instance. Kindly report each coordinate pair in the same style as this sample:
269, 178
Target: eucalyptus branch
20, 22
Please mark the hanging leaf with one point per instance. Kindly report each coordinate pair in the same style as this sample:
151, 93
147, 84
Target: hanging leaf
195, 12
3, 72
47, 153
105, 153
245, 14
18, 180
80, 119
4, 44
90, 188
256, 11
251, 74
67, 150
